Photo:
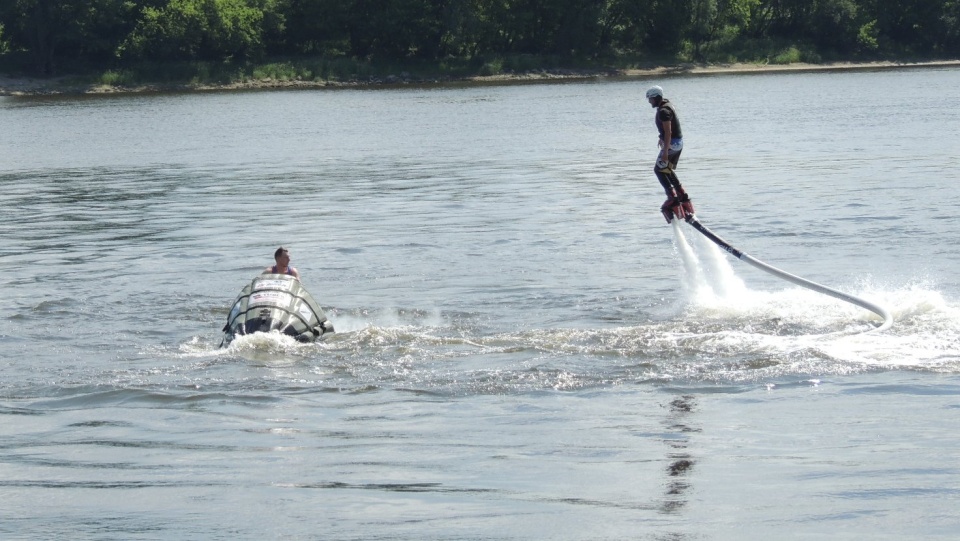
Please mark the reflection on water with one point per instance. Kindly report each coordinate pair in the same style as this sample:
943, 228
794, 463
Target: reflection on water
681, 461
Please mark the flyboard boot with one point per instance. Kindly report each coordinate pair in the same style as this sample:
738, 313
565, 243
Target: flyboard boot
686, 205
671, 207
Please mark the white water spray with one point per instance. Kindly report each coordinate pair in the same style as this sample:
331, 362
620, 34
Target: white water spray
813, 286
708, 279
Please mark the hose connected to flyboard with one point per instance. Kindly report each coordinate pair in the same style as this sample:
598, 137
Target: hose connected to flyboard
876, 309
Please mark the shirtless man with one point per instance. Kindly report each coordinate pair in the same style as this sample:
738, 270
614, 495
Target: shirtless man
282, 257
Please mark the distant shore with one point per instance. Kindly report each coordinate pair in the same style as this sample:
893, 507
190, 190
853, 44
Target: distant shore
27, 86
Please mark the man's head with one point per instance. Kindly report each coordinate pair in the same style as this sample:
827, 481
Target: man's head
282, 253
654, 95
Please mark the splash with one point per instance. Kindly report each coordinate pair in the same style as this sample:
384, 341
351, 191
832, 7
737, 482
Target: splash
713, 292
360, 319
722, 317
271, 346
724, 332
708, 278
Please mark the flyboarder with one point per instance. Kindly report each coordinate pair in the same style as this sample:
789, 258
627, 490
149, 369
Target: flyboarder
678, 203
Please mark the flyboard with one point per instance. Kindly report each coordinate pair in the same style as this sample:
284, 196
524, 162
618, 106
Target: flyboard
724, 245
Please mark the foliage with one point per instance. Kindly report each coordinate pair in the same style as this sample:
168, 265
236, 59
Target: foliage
200, 29
53, 31
489, 36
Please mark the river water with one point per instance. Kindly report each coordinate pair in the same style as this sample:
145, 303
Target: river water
525, 350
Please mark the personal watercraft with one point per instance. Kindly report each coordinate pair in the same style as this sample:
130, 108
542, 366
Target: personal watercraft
276, 302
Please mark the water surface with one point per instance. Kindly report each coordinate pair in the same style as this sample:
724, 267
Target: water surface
522, 351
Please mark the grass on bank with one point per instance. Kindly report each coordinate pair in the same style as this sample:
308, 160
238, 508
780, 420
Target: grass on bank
339, 70
324, 70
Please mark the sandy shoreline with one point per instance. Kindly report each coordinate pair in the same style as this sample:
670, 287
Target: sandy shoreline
26, 86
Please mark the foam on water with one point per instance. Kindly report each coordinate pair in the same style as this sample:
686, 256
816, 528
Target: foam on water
386, 317
724, 332
726, 314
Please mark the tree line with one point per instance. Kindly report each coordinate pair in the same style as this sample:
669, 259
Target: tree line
55, 34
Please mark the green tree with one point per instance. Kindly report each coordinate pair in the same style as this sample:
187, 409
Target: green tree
202, 30
50, 30
668, 26
554, 27
580, 30
835, 26
55, 32
317, 27
628, 24
40, 27
790, 19
951, 28
395, 29
717, 20
462, 22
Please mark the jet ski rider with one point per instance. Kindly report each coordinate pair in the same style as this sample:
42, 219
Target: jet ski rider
671, 145
282, 257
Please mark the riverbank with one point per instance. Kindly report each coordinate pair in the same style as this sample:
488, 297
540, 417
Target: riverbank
27, 86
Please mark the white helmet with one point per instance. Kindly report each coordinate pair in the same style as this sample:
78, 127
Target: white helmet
654, 92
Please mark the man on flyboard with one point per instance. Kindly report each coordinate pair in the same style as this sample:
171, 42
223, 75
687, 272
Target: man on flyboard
678, 203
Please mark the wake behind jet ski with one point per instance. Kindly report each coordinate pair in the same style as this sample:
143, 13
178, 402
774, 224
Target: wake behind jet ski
276, 302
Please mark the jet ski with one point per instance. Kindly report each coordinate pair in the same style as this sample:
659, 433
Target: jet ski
276, 302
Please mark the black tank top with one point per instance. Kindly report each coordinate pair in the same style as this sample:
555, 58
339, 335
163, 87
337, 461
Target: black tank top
667, 112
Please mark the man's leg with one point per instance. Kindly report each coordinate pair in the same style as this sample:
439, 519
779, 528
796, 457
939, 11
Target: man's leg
678, 202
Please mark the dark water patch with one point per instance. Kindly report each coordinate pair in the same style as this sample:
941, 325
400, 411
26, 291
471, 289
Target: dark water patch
683, 404
670, 384
601, 503
5, 410
79, 465
421, 392
844, 517
362, 389
679, 467
294, 391
396, 487
56, 307
933, 389
898, 493
148, 444
102, 485
86, 398
680, 428
917, 472
99, 424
